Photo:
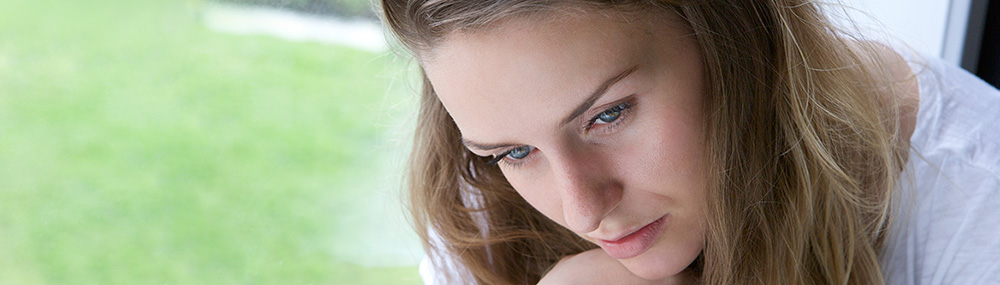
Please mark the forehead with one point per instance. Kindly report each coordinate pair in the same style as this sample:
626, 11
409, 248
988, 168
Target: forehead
531, 72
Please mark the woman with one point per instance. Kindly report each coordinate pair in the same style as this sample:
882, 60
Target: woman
669, 142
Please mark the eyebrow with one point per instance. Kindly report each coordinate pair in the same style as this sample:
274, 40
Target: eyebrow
603, 88
586, 104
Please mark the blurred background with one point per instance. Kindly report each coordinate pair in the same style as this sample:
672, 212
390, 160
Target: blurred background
963, 32
198, 142
249, 141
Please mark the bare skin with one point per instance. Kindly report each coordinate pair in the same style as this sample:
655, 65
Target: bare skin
902, 80
604, 113
596, 267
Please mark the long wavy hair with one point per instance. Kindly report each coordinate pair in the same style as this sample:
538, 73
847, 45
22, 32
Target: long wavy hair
802, 140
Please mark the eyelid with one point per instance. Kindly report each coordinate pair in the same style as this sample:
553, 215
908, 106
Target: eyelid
629, 101
498, 157
501, 158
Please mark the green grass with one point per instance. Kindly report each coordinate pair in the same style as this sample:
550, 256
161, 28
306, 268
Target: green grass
136, 147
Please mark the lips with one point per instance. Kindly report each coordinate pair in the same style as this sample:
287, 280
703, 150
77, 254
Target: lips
635, 243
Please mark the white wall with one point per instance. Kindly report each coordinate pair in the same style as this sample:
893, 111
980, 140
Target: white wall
921, 24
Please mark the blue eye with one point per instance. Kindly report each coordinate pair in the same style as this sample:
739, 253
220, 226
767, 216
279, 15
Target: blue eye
516, 154
611, 115
519, 152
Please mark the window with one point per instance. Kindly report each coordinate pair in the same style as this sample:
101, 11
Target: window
141, 144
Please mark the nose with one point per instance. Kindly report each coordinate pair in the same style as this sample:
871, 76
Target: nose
588, 189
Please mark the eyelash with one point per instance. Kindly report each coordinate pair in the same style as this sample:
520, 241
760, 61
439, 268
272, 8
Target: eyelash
500, 159
626, 110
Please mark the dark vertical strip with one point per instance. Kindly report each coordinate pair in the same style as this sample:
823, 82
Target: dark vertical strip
989, 52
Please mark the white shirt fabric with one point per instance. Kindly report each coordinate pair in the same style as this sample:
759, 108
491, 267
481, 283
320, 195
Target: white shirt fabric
947, 220
947, 224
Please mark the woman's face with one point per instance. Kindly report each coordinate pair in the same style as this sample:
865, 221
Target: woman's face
597, 121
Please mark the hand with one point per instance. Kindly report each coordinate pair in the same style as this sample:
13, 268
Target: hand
596, 267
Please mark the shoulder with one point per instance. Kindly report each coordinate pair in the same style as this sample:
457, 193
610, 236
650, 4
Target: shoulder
899, 90
596, 267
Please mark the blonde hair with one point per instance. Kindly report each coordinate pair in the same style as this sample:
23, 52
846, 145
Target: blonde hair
802, 137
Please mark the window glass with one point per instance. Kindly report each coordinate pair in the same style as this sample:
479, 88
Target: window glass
195, 142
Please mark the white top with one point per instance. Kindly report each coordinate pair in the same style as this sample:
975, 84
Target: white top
946, 229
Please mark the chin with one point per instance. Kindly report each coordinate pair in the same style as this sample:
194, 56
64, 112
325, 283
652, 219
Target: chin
658, 264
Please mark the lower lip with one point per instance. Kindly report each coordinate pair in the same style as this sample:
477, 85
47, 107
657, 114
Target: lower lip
636, 243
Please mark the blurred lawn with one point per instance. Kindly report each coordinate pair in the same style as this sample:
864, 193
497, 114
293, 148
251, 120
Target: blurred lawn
136, 147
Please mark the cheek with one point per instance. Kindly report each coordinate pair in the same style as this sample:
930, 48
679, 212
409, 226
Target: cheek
668, 153
540, 194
